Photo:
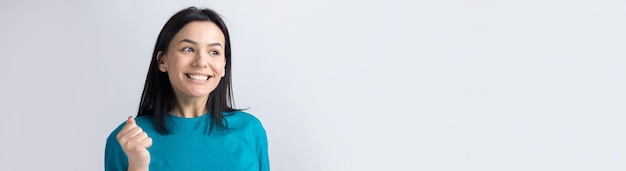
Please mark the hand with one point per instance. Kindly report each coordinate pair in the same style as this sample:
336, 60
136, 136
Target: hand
135, 143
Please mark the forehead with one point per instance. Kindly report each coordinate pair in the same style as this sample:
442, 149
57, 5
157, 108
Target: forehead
202, 32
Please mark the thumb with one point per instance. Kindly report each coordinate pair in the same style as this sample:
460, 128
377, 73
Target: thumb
130, 120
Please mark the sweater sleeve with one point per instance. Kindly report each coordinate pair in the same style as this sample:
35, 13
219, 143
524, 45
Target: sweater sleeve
114, 157
262, 149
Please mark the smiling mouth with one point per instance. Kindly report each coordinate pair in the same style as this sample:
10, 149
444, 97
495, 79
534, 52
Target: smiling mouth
198, 77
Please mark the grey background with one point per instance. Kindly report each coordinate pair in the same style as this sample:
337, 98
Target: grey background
338, 85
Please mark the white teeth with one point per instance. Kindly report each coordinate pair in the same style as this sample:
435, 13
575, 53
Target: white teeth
198, 77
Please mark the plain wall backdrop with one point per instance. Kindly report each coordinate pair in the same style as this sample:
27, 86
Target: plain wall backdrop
338, 84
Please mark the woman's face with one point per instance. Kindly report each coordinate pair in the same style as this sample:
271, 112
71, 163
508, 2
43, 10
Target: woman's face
195, 60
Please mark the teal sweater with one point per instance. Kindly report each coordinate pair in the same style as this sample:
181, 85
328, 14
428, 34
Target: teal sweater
243, 147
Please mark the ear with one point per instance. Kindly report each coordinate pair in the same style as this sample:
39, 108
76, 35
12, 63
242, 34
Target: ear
160, 57
223, 73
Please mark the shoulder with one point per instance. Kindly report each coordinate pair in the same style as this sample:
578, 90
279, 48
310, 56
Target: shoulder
243, 119
144, 121
242, 115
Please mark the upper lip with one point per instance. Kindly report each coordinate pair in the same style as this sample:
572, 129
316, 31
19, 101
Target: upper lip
197, 73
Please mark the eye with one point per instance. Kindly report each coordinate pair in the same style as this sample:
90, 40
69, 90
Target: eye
187, 49
214, 52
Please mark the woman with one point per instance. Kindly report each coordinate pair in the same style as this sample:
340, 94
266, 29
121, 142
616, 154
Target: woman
185, 119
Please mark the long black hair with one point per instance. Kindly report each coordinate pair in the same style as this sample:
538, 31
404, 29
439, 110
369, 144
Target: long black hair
157, 98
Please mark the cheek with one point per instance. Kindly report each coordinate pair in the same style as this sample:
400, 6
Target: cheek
177, 62
220, 65
220, 68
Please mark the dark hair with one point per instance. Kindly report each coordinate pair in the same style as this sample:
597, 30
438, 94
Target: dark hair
157, 98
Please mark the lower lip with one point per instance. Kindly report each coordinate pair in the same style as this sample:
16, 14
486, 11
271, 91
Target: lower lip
197, 81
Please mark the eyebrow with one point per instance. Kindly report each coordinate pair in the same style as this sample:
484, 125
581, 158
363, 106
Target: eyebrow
195, 43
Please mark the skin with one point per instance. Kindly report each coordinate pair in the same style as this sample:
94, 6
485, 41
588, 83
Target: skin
135, 142
195, 53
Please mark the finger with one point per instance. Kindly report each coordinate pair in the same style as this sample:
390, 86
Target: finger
130, 123
137, 142
130, 120
147, 142
140, 137
142, 144
130, 134
126, 130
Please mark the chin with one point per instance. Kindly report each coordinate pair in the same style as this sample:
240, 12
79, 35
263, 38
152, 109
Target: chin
198, 94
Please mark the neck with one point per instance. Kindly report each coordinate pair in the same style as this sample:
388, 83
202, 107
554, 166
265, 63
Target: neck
190, 108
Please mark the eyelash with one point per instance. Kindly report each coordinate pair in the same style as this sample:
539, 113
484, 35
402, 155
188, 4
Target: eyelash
189, 49
216, 52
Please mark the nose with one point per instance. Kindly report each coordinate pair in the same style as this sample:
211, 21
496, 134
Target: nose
201, 60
